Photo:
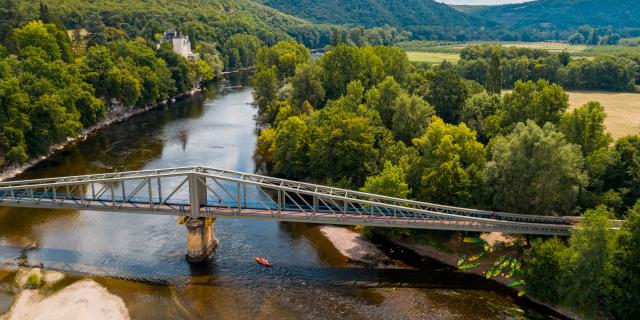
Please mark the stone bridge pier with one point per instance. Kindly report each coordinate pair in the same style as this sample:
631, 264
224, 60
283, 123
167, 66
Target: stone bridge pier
201, 239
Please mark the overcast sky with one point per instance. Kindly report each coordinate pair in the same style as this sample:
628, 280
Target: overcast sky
476, 2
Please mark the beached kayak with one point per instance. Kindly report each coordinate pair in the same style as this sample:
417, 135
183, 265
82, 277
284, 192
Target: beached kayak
469, 266
473, 240
476, 257
516, 283
489, 273
263, 261
497, 272
510, 273
521, 293
461, 260
506, 263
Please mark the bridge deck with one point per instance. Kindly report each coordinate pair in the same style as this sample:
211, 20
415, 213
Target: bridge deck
230, 194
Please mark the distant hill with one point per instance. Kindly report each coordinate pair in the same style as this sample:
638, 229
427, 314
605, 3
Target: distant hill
562, 14
375, 13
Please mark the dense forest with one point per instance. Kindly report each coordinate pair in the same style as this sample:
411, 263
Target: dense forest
562, 14
374, 13
366, 118
430, 20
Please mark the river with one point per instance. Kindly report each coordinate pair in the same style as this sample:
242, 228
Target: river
142, 257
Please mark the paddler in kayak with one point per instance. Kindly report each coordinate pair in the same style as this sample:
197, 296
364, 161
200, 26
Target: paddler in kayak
263, 261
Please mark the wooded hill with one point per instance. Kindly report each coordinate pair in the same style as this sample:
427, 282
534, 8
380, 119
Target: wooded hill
562, 14
375, 13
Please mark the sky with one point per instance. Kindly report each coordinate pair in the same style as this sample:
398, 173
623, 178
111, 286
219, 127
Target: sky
478, 2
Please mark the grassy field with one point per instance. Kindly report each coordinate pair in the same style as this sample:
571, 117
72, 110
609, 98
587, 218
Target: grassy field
435, 52
432, 57
623, 110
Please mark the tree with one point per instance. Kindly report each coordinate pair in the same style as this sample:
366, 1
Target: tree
623, 175
449, 170
585, 127
392, 181
383, 98
534, 170
122, 85
290, 148
307, 84
240, 51
447, 93
576, 38
35, 34
475, 112
494, 74
623, 302
547, 270
540, 102
411, 117
395, 62
344, 146
265, 88
284, 56
592, 245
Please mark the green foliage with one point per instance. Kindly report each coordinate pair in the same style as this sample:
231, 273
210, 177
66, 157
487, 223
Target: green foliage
494, 75
623, 302
240, 51
534, 170
307, 84
265, 88
383, 97
450, 164
547, 269
585, 127
392, 181
592, 246
483, 64
290, 148
284, 57
564, 14
34, 281
447, 93
539, 102
345, 64
344, 145
411, 117
475, 112
623, 172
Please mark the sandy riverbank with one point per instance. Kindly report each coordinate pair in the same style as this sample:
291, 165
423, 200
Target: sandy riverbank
83, 299
352, 245
111, 119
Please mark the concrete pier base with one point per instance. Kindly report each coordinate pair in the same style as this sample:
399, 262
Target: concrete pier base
201, 240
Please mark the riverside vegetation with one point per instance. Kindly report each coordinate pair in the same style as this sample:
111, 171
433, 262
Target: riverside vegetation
364, 117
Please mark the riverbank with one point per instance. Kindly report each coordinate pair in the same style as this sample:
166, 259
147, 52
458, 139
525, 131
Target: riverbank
352, 245
42, 295
111, 119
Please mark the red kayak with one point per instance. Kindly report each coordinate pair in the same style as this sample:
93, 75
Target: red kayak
263, 261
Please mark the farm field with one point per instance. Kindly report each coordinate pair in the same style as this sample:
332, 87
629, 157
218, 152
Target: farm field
428, 51
623, 109
432, 57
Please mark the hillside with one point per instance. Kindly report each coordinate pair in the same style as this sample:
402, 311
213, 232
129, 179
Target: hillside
562, 14
216, 19
375, 13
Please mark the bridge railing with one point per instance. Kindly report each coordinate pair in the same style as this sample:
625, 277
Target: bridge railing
209, 191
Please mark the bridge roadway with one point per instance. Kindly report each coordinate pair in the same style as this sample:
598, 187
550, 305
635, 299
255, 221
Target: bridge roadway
200, 192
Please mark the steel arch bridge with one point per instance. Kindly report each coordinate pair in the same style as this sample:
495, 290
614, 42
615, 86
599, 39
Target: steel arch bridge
202, 192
